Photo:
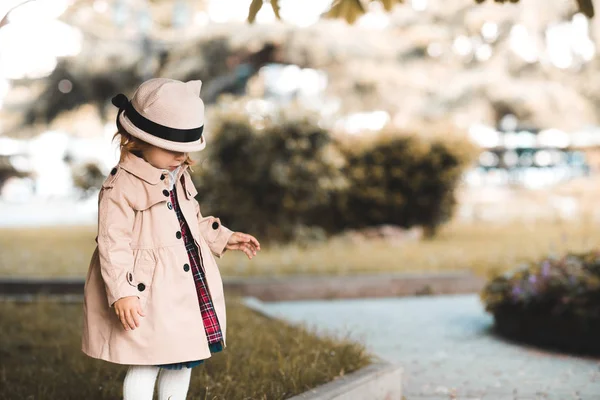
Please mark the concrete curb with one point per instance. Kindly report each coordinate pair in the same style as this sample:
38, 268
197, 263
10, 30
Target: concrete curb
34, 298
379, 381
282, 288
41, 286
325, 287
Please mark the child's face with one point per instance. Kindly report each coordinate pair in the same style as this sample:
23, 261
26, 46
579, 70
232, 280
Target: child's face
164, 159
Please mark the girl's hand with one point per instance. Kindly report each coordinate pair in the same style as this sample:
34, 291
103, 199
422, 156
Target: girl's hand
244, 242
128, 310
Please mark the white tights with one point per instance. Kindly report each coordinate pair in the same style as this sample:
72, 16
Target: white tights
139, 383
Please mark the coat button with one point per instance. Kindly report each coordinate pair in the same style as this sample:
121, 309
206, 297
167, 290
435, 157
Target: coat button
114, 171
170, 205
178, 234
215, 225
162, 177
186, 267
166, 193
141, 287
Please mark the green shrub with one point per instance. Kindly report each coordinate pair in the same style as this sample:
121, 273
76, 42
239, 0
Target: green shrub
282, 176
557, 286
402, 179
554, 302
268, 175
87, 177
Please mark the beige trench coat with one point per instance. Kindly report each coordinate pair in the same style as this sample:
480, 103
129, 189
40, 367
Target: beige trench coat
140, 252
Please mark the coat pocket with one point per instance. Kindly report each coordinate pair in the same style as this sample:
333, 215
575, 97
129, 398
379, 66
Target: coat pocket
142, 274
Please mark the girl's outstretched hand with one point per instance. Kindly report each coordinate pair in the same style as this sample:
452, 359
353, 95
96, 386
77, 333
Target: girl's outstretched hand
244, 242
129, 309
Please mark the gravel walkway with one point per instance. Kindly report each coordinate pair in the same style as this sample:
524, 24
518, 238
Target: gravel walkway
446, 349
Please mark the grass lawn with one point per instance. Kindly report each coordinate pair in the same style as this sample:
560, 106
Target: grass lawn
40, 357
482, 248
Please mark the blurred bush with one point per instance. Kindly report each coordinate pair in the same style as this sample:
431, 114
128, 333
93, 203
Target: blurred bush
88, 177
402, 178
280, 175
554, 302
273, 175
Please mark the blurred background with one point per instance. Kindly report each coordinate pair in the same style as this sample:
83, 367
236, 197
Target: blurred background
365, 122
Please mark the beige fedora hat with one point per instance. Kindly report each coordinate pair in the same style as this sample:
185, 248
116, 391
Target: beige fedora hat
166, 113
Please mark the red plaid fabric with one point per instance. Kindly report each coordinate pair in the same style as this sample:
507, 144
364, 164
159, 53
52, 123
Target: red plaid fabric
209, 316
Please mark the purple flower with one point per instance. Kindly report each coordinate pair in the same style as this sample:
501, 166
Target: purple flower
532, 279
533, 290
516, 293
546, 269
572, 280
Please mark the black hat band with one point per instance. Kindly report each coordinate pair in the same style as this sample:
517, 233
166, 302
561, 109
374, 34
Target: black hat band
158, 130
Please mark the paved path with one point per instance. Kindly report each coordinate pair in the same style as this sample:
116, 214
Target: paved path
446, 350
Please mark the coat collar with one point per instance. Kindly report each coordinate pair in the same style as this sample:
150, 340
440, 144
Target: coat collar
144, 170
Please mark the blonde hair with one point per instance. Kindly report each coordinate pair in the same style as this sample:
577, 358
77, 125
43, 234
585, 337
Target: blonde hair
131, 144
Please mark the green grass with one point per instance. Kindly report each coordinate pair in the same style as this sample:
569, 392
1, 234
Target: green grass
482, 248
40, 357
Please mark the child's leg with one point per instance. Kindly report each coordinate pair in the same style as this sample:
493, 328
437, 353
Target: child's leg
139, 382
173, 384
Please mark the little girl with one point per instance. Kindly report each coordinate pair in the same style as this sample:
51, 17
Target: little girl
153, 296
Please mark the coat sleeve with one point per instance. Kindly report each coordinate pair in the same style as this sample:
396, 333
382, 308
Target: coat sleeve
215, 234
115, 226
